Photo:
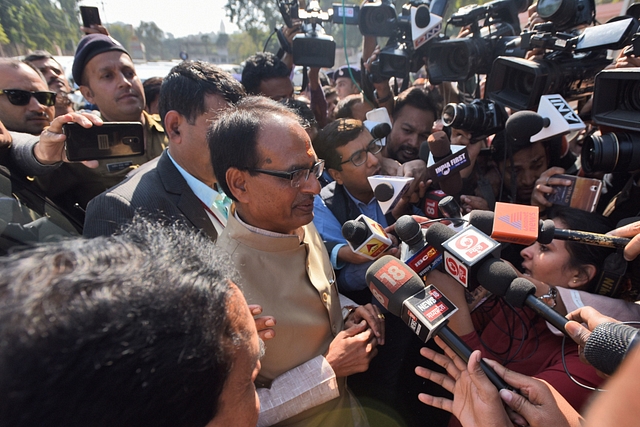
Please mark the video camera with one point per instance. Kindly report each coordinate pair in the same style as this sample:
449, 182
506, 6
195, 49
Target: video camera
312, 48
458, 59
567, 14
407, 32
568, 70
481, 117
616, 103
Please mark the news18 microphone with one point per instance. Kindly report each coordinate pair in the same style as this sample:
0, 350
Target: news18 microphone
420, 256
366, 237
424, 309
464, 252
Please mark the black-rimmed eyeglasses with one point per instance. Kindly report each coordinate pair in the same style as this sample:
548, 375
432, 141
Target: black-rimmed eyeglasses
297, 177
22, 97
359, 158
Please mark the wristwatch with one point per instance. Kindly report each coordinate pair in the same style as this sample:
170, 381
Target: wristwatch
347, 310
550, 298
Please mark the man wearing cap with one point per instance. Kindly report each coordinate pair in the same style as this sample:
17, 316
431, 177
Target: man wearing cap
107, 78
345, 84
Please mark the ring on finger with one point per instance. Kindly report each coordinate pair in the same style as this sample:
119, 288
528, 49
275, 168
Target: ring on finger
380, 316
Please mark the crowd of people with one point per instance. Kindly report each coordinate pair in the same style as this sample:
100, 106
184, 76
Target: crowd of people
214, 287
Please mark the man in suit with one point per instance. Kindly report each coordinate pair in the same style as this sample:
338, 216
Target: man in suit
179, 185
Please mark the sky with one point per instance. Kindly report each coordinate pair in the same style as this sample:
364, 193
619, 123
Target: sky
178, 17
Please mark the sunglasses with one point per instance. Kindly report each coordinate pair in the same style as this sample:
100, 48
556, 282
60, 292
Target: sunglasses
23, 97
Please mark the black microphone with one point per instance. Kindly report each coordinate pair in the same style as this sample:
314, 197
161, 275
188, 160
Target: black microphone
464, 252
522, 292
424, 309
546, 231
383, 192
608, 345
366, 237
522, 125
420, 256
447, 165
381, 130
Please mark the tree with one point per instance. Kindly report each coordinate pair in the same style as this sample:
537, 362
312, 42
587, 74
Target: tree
151, 35
123, 33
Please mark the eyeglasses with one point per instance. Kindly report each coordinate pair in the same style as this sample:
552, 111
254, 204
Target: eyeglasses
22, 97
296, 177
359, 158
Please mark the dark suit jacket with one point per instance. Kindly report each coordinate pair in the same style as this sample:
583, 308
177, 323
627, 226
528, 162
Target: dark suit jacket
158, 190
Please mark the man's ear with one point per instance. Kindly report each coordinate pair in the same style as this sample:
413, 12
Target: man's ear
336, 175
172, 122
87, 93
237, 183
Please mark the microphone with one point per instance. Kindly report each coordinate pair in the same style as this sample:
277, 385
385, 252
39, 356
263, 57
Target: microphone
464, 252
366, 237
389, 189
446, 165
555, 117
381, 130
451, 209
608, 345
524, 124
424, 309
521, 293
383, 192
520, 226
414, 250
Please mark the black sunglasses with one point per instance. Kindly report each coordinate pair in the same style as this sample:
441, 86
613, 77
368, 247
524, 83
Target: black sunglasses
22, 97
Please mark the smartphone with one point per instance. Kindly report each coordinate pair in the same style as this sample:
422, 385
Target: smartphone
90, 16
111, 140
583, 193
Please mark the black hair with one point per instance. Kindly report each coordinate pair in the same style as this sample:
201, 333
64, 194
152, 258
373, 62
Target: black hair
344, 109
301, 109
233, 137
420, 98
580, 254
151, 89
336, 134
39, 55
185, 87
127, 330
262, 66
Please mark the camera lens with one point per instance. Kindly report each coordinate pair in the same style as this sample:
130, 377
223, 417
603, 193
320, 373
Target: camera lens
611, 152
630, 93
453, 115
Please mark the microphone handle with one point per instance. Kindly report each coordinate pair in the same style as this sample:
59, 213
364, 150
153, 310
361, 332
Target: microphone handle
464, 352
547, 313
590, 238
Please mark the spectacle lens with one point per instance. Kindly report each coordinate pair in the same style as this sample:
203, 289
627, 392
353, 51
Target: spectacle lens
22, 97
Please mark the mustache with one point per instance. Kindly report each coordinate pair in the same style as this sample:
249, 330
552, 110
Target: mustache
36, 115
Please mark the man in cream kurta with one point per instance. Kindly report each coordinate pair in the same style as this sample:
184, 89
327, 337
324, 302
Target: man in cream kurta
285, 268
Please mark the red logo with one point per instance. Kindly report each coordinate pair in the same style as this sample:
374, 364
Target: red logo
457, 270
452, 266
466, 241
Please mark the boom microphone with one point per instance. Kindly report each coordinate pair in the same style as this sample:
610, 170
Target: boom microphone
424, 309
381, 130
608, 345
522, 125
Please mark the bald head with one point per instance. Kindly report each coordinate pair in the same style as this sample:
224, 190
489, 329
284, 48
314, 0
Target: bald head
30, 118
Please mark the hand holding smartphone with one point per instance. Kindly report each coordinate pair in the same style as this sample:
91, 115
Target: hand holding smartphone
111, 140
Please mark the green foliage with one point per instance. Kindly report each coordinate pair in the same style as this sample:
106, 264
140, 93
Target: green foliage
39, 24
151, 35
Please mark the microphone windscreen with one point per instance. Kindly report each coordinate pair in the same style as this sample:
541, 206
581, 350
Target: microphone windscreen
439, 145
381, 130
482, 220
608, 344
522, 125
437, 234
404, 283
496, 276
449, 207
408, 230
383, 192
355, 232
547, 229
424, 151
518, 292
